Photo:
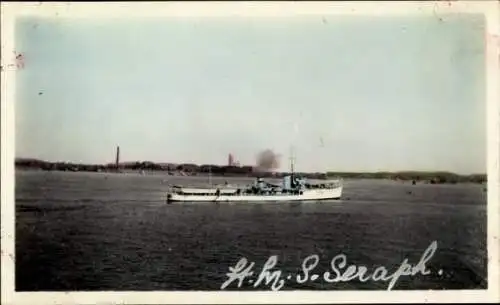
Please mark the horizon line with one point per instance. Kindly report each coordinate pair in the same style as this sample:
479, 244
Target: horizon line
253, 166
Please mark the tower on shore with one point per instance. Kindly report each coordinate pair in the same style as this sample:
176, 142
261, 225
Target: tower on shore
117, 161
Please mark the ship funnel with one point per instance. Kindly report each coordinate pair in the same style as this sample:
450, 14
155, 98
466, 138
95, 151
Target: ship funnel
287, 182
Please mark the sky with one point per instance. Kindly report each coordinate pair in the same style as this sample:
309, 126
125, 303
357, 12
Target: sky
353, 93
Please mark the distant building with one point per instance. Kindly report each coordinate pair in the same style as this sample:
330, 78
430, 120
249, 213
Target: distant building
231, 161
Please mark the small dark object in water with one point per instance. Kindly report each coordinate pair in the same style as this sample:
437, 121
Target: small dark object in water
414, 182
409, 192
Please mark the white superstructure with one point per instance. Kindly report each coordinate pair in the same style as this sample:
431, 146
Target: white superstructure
290, 190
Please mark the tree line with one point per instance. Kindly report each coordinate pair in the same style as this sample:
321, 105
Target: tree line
238, 171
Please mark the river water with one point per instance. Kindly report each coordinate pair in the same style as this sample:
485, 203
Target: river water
104, 231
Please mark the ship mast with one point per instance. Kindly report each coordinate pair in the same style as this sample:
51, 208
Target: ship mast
292, 158
292, 167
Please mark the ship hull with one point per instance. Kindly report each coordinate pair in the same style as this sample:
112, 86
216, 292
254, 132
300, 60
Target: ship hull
307, 195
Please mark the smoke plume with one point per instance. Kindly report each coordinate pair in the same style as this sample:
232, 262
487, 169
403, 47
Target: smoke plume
267, 160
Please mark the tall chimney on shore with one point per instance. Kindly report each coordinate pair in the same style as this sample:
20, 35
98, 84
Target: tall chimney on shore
117, 157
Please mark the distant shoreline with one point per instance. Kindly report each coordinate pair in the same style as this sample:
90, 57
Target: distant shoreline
244, 171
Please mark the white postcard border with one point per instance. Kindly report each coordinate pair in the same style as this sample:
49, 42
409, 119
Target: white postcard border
258, 9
